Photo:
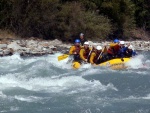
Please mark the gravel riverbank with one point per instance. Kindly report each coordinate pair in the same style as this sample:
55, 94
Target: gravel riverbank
41, 47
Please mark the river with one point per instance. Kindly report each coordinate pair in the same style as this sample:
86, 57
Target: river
44, 85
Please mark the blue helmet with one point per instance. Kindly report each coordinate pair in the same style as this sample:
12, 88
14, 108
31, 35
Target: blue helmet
77, 41
116, 41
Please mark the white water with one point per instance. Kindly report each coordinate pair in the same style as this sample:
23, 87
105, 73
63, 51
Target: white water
39, 80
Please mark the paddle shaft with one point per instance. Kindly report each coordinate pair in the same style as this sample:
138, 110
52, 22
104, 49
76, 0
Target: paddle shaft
90, 53
100, 54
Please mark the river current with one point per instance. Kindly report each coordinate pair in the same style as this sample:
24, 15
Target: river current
44, 85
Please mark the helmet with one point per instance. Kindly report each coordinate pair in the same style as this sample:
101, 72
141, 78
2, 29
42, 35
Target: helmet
77, 41
99, 48
81, 34
116, 41
86, 43
130, 47
121, 42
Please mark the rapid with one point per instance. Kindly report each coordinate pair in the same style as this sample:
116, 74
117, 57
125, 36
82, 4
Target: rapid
44, 85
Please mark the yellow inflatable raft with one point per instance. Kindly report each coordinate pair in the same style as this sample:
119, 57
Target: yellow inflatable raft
116, 64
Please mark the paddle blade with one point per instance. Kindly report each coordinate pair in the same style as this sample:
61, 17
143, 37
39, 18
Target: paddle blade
62, 57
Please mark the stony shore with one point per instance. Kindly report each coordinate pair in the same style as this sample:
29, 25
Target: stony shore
42, 47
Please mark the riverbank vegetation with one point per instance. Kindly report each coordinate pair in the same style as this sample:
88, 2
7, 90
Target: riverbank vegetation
63, 19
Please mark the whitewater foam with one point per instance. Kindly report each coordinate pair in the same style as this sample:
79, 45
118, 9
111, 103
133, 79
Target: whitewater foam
48, 84
135, 62
2, 95
14, 108
27, 99
147, 97
63, 64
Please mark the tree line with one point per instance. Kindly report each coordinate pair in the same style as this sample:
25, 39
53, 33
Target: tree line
63, 19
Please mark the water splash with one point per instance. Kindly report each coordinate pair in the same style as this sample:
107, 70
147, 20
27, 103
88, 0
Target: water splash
135, 62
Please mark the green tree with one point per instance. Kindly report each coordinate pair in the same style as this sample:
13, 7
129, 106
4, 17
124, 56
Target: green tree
142, 13
122, 14
31, 17
73, 19
51, 19
5, 12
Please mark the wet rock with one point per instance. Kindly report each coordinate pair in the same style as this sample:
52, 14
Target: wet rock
3, 46
1, 50
7, 52
32, 44
56, 42
1, 53
42, 47
14, 46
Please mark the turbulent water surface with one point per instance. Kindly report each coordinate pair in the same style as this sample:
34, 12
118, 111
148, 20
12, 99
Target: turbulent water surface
44, 85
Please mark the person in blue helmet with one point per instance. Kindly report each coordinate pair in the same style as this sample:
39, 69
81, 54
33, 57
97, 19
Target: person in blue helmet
116, 41
75, 49
113, 49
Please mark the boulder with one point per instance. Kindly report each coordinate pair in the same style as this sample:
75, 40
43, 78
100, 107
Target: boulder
55, 42
3, 46
1, 50
7, 52
1, 53
14, 46
32, 43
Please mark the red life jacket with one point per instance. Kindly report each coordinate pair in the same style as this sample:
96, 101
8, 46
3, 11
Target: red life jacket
110, 51
86, 53
113, 50
77, 49
116, 49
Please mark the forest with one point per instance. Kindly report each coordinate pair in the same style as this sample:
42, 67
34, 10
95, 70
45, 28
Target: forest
64, 19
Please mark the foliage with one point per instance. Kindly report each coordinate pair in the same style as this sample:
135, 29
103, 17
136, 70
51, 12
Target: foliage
122, 14
142, 13
50, 19
73, 19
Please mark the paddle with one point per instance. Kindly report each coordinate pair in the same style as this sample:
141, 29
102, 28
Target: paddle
90, 53
62, 57
100, 54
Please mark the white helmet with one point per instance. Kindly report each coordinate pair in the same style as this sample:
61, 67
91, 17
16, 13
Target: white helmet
86, 43
99, 48
81, 34
130, 47
121, 42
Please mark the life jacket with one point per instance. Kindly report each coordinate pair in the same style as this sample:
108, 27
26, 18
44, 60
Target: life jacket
96, 57
113, 49
77, 49
86, 53
122, 51
116, 49
110, 51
